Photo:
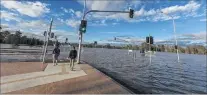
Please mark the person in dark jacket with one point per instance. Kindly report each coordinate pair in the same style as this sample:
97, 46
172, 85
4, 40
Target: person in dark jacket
56, 53
72, 56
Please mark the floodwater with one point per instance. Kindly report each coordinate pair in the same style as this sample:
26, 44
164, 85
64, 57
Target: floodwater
163, 75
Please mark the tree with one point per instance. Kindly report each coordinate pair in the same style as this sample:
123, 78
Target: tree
1, 37
108, 46
23, 40
10, 39
17, 37
4, 35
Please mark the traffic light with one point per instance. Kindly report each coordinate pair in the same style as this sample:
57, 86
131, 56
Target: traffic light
52, 35
66, 40
95, 42
131, 13
83, 26
150, 40
45, 33
176, 47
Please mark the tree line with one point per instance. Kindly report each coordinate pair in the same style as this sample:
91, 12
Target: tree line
191, 49
8, 38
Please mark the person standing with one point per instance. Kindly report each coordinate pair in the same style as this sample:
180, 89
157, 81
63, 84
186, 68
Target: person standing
72, 56
56, 53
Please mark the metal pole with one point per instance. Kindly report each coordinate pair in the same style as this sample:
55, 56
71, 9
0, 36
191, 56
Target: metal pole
104, 11
43, 46
79, 47
80, 33
81, 36
48, 36
176, 43
43, 59
150, 49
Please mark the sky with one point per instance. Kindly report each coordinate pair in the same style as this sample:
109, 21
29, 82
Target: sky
151, 17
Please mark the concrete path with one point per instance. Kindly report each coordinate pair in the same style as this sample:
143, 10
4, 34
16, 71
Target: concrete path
51, 74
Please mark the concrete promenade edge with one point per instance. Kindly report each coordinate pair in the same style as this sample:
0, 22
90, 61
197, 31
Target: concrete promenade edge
58, 80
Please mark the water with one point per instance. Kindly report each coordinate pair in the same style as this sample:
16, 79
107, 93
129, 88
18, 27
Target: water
163, 75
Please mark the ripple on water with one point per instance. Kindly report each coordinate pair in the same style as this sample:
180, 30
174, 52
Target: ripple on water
163, 75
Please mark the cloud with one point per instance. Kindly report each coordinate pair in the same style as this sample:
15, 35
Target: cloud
103, 5
33, 25
108, 5
32, 9
193, 36
177, 11
71, 10
109, 32
8, 16
129, 39
63, 34
4, 26
64, 9
203, 19
115, 23
78, 14
61, 20
57, 14
192, 6
73, 23
187, 39
156, 14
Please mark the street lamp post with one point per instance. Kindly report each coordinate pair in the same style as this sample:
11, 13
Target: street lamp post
176, 42
175, 37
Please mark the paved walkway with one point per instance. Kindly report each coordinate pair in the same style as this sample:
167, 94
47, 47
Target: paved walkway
61, 80
12, 68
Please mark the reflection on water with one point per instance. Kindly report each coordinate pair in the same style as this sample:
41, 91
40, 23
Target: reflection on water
163, 75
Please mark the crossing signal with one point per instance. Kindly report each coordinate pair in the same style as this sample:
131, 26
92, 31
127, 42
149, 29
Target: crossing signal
131, 13
83, 26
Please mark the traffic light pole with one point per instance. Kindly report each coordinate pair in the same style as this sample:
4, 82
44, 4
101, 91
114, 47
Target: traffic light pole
150, 49
79, 46
81, 34
105, 11
48, 36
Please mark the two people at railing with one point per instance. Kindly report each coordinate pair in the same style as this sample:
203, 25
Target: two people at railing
72, 56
